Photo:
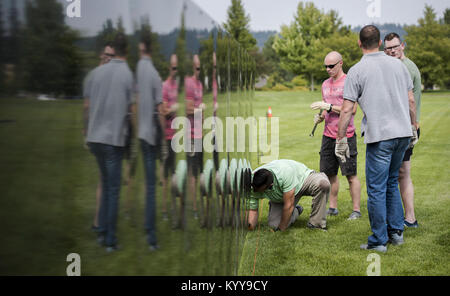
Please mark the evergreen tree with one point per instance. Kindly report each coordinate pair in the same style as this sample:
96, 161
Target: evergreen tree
184, 60
238, 27
14, 49
446, 19
2, 52
106, 35
52, 63
159, 61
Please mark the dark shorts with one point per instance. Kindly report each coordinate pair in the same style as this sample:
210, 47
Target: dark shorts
329, 163
169, 162
194, 161
409, 151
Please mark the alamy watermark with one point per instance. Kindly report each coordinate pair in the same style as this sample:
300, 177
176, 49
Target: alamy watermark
240, 134
374, 8
73, 10
74, 268
374, 268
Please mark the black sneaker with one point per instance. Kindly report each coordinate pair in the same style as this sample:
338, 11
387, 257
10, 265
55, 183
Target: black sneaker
354, 215
153, 248
396, 238
310, 226
95, 229
332, 212
379, 248
111, 249
299, 209
411, 225
101, 239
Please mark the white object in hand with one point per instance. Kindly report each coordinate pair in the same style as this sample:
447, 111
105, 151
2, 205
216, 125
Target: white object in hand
320, 105
342, 150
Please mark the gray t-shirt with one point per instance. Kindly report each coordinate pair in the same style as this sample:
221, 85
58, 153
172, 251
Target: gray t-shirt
149, 89
110, 94
380, 85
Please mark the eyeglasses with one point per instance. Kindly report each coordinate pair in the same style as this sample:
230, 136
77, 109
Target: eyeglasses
331, 66
392, 47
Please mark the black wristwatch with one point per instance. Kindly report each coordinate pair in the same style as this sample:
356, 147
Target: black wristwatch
331, 107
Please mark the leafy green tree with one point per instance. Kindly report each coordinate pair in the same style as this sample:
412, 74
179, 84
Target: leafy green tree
303, 45
237, 25
298, 43
427, 46
272, 64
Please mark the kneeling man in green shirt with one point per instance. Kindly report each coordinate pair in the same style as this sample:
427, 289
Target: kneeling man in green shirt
284, 182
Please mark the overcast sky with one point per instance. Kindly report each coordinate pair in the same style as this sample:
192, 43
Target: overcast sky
271, 14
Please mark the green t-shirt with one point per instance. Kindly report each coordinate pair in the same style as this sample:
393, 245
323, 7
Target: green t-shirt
287, 174
417, 82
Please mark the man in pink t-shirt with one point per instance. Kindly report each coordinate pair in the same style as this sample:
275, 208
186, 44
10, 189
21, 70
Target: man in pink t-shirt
194, 109
332, 94
170, 107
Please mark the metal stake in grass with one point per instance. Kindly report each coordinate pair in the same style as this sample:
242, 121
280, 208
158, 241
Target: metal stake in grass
315, 125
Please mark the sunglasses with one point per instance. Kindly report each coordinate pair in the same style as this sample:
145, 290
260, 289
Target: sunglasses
110, 55
198, 69
331, 66
174, 68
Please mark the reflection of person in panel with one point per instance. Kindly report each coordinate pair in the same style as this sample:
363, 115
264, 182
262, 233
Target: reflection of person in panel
105, 57
149, 87
215, 106
284, 182
110, 102
170, 107
194, 108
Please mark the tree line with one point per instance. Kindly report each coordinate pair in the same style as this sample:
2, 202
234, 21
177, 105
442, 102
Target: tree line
293, 58
44, 55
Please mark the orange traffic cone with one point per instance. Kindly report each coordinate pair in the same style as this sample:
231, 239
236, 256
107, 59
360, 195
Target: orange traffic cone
269, 112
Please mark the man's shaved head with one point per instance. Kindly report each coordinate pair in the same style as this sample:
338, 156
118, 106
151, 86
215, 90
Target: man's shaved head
332, 58
334, 61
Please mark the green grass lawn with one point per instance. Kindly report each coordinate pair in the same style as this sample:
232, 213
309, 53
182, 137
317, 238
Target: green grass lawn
47, 204
48, 183
300, 251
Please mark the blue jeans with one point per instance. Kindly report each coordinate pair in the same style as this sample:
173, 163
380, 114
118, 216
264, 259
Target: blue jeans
109, 159
149, 153
383, 161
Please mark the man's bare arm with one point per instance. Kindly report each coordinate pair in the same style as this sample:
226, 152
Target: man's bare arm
252, 219
344, 118
412, 108
288, 208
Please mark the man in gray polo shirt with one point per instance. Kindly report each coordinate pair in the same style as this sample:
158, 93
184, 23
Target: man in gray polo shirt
149, 88
110, 101
105, 57
382, 87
